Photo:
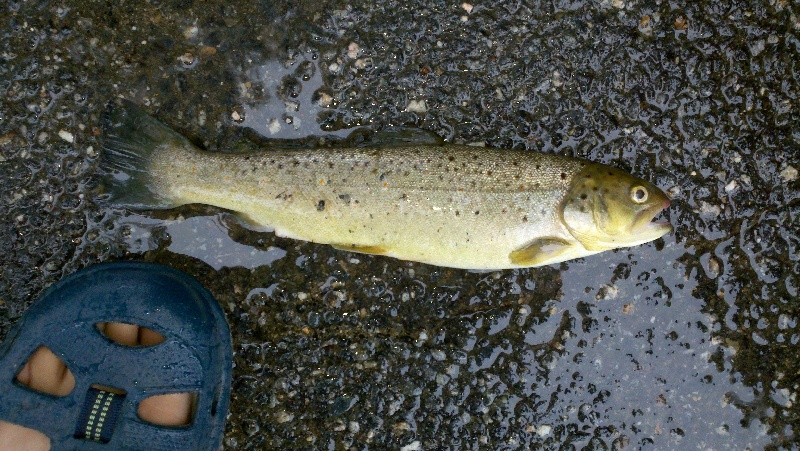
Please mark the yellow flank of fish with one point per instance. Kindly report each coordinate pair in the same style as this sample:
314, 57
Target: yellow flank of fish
454, 206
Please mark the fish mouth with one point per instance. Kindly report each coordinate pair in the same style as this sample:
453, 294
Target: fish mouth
643, 225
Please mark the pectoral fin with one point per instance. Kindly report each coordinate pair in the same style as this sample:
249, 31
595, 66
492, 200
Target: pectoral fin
539, 252
373, 250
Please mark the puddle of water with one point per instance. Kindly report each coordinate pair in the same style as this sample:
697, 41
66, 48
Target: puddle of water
292, 104
202, 237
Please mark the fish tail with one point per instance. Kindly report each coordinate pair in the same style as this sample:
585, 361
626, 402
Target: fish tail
132, 140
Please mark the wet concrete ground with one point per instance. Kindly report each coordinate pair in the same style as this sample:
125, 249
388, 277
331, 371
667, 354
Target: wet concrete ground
690, 342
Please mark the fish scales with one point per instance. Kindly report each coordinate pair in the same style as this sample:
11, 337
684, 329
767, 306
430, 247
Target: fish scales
443, 205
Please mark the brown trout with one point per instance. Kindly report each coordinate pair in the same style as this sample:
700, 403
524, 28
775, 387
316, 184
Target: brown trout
449, 205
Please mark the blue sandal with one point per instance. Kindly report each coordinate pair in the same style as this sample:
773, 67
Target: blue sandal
195, 356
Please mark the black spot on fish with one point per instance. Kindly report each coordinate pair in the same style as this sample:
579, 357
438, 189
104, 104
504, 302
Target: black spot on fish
489, 173
383, 176
563, 176
280, 166
451, 158
321, 205
247, 158
538, 167
330, 165
595, 188
477, 212
524, 219
584, 196
458, 213
345, 198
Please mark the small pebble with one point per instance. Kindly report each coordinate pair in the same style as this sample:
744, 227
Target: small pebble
325, 100
413, 446
417, 106
352, 50
208, 50
187, 59
190, 32
66, 136
713, 267
274, 126
558, 80
789, 174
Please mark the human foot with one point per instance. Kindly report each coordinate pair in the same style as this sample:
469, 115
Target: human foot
46, 373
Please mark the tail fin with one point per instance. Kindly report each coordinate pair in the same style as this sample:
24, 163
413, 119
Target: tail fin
131, 138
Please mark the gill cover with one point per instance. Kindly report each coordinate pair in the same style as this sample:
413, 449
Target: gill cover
606, 208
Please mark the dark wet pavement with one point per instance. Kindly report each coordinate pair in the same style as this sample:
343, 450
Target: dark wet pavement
690, 342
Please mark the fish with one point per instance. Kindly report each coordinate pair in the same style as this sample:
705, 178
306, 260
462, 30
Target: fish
448, 205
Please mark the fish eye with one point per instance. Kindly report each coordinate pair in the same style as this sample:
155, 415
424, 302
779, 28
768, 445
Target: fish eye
639, 194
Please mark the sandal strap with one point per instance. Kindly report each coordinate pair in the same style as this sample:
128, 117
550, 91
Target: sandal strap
98, 416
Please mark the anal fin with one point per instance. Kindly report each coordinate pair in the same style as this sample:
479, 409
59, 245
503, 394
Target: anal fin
373, 250
539, 252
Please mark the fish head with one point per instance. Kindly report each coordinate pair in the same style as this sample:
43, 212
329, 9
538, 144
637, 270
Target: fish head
607, 208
